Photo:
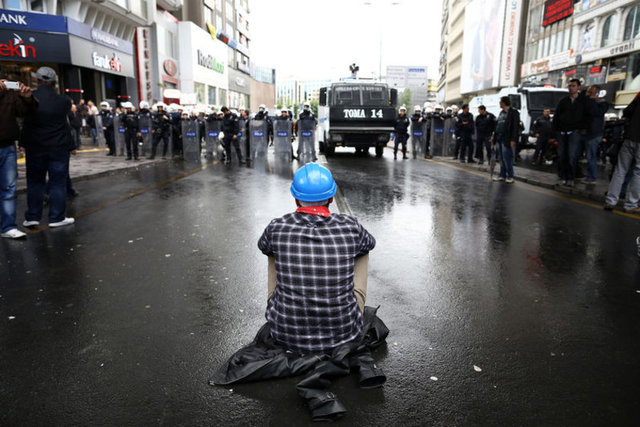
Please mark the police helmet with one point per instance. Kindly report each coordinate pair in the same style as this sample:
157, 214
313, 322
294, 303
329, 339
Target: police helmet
127, 104
262, 108
306, 105
454, 107
449, 109
428, 110
403, 108
160, 105
438, 107
143, 105
417, 108
313, 183
104, 104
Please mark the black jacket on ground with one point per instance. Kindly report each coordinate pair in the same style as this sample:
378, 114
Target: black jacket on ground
264, 359
631, 114
47, 128
571, 115
485, 124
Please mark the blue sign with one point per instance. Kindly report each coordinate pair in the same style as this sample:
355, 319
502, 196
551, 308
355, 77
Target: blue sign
282, 133
418, 133
32, 46
452, 130
240, 134
144, 131
97, 36
438, 130
32, 21
212, 134
307, 133
258, 133
121, 129
190, 134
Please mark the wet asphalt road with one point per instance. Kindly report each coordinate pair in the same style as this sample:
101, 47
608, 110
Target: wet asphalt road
507, 305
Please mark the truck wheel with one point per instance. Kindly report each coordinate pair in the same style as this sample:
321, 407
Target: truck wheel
379, 151
329, 150
321, 146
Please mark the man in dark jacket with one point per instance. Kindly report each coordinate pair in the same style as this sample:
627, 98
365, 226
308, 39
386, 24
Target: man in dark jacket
569, 126
131, 130
597, 108
13, 103
629, 151
401, 127
46, 137
230, 127
75, 120
485, 125
464, 131
541, 129
160, 130
506, 137
107, 127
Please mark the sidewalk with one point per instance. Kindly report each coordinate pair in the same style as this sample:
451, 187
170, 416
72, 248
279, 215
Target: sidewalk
544, 176
91, 163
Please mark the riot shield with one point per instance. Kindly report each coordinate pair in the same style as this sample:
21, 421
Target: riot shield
450, 136
145, 125
102, 142
118, 135
243, 140
211, 136
282, 138
306, 140
190, 140
437, 136
418, 139
258, 138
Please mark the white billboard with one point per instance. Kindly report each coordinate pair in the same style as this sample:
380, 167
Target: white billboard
401, 76
513, 15
482, 48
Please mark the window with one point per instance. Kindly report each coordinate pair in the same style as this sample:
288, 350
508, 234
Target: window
552, 44
122, 3
535, 21
559, 41
36, 6
199, 89
169, 44
212, 95
208, 15
567, 39
13, 4
632, 23
606, 32
222, 96
219, 22
632, 81
228, 10
540, 51
546, 47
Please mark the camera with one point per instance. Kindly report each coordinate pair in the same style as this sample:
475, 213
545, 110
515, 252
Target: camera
12, 85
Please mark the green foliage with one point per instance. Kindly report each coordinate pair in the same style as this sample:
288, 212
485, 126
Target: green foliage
406, 98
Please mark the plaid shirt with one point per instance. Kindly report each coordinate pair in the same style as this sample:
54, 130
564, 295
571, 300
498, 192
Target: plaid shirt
313, 308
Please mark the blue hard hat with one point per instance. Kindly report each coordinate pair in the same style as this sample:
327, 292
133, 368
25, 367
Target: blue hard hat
313, 183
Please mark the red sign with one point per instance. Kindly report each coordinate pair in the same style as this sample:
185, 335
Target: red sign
17, 47
556, 10
595, 70
170, 67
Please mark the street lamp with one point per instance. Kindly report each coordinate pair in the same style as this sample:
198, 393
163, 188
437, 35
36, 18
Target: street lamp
370, 3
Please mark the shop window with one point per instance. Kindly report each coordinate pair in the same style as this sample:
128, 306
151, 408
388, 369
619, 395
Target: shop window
632, 23
199, 89
212, 95
632, 81
36, 5
222, 97
13, 4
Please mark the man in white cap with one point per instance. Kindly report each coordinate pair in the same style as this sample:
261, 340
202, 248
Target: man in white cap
47, 140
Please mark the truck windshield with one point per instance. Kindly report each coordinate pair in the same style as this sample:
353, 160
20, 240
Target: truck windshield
545, 99
360, 95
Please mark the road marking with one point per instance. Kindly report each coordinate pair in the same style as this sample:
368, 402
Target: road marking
537, 190
22, 160
129, 195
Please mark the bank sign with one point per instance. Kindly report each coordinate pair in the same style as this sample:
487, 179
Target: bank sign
31, 46
32, 21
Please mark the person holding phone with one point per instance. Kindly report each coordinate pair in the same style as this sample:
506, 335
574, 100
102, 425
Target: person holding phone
15, 101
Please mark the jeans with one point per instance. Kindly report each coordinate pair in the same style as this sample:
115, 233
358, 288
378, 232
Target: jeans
466, 146
569, 146
8, 179
75, 134
592, 157
94, 134
628, 152
506, 157
56, 165
400, 139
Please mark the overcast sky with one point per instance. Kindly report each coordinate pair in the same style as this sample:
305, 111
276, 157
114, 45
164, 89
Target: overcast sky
310, 39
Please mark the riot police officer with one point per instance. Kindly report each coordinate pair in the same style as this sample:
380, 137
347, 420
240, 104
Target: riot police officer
284, 115
161, 127
132, 131
400, 128
230, 128
306, 114
107, 127
144, 124
176, 130
427, 116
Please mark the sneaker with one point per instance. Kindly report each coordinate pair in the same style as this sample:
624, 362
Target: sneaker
66, 221
30, 223
498, 178
509, 180
14, 233
608, 207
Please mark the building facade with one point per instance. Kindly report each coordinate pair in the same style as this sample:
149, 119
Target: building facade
263, 87
290, 92
453, 15
596, 41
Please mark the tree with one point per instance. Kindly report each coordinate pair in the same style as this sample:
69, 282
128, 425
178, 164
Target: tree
406, 97
314, 106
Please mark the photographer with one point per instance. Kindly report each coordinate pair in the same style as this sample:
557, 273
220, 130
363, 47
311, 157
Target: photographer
14, 103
